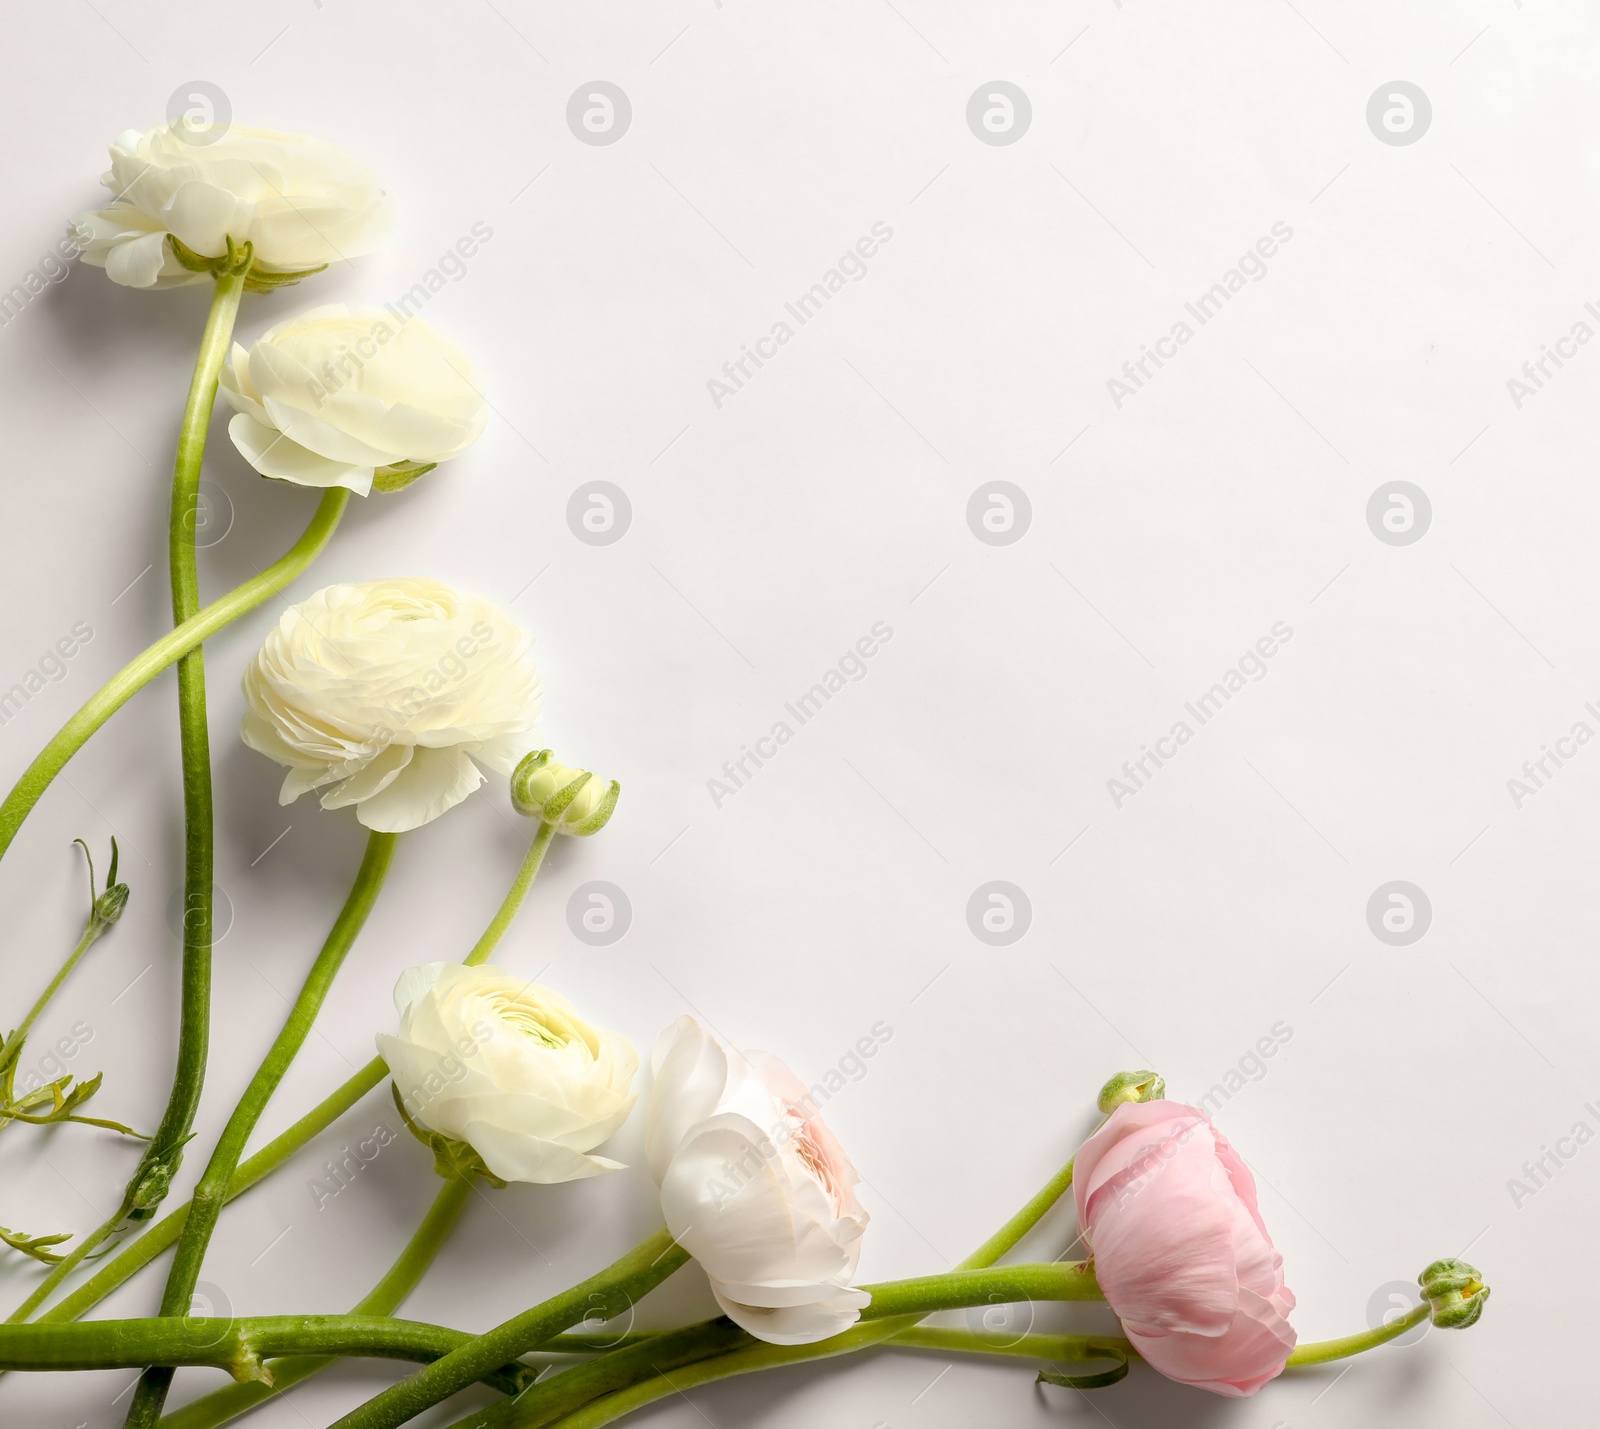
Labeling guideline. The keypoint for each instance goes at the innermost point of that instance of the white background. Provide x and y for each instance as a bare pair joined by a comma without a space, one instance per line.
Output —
830,893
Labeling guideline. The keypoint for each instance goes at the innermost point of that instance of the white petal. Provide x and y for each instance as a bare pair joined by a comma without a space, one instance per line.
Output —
795,1324
524,1158
273,454
690,1070
436,780
138,262
414,982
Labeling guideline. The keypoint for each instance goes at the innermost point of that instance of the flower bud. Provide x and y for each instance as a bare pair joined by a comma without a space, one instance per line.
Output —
1455,1292
1131,1087
109,905
572,800
154,1180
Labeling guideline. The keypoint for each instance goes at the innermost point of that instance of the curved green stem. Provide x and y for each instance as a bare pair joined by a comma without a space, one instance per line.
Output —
65,1266
212,1189
1322,1351
1024,1221
602,1296
384,1298
133,1258
484,948
700,1356
718,1348
225,1404
143,668
93,931
634,1367
160,1162
699,1361
150,1183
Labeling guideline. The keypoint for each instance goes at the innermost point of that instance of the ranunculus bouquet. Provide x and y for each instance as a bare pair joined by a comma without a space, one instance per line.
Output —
396,699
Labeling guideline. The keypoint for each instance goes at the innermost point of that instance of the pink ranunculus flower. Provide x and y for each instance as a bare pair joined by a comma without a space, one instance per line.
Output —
1169,1210
755,1187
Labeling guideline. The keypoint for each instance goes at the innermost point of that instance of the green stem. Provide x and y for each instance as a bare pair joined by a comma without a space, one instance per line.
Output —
65,1266
1322,1351
225,1404
1054,1348
700,1362
150,1184
384,1298
133,1258
238,1346
93,931
484,948
241,1345
636,1367
160,1162
1004,1285
720,1343
636,1379
603,1296
143,668
212,1190
1024,1221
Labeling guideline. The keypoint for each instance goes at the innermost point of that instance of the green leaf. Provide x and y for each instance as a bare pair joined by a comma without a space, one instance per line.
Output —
37,1246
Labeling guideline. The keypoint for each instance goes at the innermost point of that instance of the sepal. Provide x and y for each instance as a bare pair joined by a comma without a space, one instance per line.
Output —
572,801
451,1158
1455,1293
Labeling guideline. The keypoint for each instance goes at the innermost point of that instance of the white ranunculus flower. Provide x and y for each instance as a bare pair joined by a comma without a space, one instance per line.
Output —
388,696
334,395
755,1187
509,1068
301,202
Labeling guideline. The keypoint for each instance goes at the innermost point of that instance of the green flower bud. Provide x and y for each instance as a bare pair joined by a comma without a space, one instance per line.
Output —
155,1180
1455,1293
572,800
1131,1087
109,905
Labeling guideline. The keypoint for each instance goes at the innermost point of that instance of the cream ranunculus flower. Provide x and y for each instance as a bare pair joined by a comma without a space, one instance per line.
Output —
509,1068
336,395
388,696
755,1187
301,203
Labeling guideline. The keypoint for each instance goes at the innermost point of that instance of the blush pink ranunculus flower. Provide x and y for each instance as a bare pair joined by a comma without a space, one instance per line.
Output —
1169,1211
755,1187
